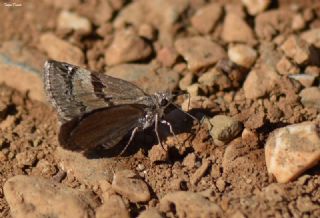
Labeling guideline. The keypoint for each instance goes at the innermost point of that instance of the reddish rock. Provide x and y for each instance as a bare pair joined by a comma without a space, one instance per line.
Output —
199,52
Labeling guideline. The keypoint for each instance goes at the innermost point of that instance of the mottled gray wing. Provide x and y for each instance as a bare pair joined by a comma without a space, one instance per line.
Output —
74,91
103,126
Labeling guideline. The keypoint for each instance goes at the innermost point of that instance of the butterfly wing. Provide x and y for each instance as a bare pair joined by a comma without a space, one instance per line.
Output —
104,126
75,91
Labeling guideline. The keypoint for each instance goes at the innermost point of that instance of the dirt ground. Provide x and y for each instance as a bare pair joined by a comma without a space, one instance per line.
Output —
170,48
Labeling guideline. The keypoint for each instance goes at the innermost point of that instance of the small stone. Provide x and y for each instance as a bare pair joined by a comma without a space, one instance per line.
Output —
215,78
151,212
157,153
126,47
193,90
103,12
186,81
205,18
235,29
291,150
112,207
255,7
310,97
199,52
312,37
37,197
296,49
305,79
85,170
242,55
147,31
298,22
127,184
61,50
197,102
167,56
221,184
46,168
189,204
259,82
285,67
71,20
312,70
200,172
26,158
189,161
224,128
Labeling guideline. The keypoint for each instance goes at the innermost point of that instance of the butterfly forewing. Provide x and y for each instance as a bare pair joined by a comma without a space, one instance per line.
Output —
101,127
75,91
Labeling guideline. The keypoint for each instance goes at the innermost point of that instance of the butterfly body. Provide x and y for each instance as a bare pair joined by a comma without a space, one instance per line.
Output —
95,109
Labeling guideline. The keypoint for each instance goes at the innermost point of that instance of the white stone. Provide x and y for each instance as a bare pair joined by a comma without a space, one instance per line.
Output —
242,55
291,150
71,20
256,6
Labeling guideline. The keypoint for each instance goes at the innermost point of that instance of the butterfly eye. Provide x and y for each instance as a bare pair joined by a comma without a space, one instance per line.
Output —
163,102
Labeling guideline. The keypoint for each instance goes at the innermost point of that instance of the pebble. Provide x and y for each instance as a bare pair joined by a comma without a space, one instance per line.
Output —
189,204
87,171
167,56
312,37
200,172
205,18
37,197
221,184
242,55
151,212
127,46
291,150
215,78
298,22
296,49
157,153
61,50
193,90
127,184
235,29
199,52
113,207
197,102
147,31
310,97
189,161
186,81
147,77
259,82
305,79
285,67
103,12
71,20
223,128
255,7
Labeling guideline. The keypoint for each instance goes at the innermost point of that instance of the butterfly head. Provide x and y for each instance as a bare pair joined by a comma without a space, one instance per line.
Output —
163,98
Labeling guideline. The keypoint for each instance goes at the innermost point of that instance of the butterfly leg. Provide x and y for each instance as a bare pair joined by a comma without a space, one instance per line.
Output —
170,128
156,130
134,131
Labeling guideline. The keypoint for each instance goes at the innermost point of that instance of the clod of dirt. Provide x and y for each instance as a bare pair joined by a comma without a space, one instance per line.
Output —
189,204
293,149
113,207
127,46
37,197
61,50
128,185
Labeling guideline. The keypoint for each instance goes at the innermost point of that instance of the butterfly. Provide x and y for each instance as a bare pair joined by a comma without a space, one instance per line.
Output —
95,109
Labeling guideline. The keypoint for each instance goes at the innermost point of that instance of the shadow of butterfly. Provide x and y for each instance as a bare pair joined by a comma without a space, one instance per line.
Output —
99,110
